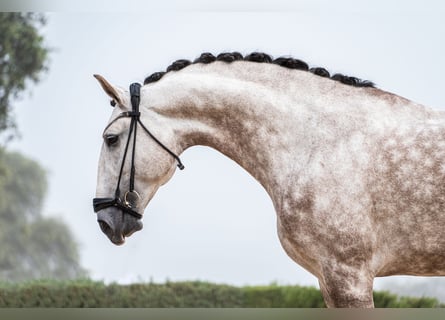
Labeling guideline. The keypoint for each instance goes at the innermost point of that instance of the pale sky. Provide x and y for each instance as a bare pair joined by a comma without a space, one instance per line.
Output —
212,221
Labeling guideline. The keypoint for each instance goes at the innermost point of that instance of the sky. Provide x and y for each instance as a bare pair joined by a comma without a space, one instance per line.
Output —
212,221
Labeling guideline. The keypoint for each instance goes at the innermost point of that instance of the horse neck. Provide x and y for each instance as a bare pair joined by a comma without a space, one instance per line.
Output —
259,115
220,107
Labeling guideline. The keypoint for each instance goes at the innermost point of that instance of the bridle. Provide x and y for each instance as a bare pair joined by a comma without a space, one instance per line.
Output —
131,197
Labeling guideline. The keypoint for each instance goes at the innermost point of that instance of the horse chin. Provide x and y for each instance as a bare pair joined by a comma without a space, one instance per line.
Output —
116,225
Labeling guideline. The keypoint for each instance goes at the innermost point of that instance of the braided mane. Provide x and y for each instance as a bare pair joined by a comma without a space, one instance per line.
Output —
260,57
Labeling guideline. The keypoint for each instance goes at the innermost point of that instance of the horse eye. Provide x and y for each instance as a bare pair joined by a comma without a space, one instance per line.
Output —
111,139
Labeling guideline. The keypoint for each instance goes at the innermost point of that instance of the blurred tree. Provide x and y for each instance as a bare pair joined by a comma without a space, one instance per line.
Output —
22,187
23,58
31,246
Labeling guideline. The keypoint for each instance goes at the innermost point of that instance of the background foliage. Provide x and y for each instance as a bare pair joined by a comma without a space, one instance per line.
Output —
23,58
32,246
86,293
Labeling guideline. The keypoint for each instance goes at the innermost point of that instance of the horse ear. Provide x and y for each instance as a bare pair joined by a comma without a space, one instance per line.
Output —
113,92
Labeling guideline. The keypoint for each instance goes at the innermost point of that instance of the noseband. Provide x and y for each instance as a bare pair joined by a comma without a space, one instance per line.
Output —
131,197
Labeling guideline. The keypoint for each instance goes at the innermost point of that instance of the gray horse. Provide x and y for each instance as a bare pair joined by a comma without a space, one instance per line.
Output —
356,174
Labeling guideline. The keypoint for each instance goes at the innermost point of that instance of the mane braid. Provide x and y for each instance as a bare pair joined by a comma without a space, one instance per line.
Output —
260,57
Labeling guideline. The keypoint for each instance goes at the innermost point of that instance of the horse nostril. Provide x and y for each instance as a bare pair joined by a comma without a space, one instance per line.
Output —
105,227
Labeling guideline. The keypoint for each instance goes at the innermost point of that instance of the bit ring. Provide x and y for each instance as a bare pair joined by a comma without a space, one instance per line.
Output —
132,199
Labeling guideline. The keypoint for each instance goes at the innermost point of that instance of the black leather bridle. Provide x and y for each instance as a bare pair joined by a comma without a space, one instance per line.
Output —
131,197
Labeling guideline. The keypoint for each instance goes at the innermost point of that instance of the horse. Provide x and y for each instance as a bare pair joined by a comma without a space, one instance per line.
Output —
356,174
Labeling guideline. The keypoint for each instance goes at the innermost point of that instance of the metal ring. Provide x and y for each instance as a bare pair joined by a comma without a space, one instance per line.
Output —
132,204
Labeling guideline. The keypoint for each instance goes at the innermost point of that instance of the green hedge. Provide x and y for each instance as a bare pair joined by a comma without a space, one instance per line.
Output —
86,293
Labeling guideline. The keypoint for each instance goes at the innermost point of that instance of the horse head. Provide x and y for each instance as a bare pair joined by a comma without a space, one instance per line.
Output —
127,177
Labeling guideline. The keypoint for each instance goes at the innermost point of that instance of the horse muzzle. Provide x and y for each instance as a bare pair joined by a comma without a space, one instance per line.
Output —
113,222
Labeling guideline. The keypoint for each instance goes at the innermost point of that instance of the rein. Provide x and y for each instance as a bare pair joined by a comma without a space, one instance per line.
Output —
131,197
